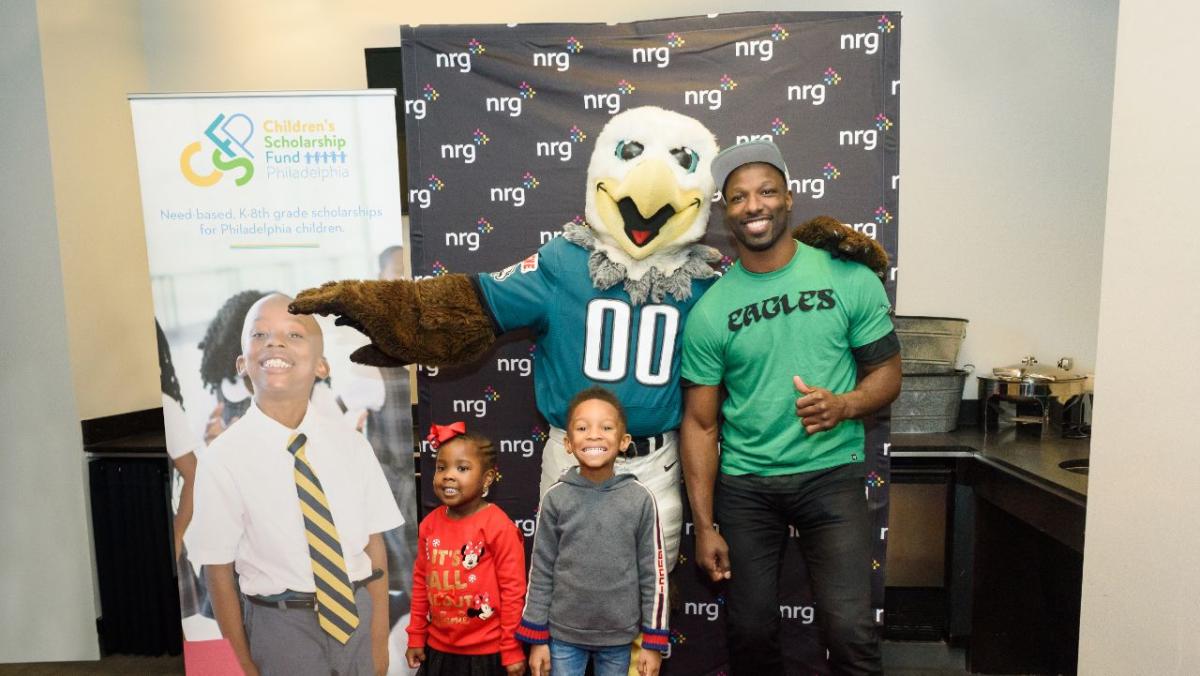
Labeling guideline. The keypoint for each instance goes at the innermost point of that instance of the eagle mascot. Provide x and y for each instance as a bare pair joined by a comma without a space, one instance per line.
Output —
606,302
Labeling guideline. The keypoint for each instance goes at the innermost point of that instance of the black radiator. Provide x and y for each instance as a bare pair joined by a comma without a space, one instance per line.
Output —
139,598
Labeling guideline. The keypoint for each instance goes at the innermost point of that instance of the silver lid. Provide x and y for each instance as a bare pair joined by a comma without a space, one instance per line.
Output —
1029,370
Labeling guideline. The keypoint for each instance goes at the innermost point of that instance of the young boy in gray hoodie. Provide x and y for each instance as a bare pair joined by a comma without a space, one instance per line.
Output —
597,577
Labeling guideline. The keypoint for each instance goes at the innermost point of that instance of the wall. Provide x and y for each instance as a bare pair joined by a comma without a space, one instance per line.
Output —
1005,128
48,609
1004,157
92,56
1141,587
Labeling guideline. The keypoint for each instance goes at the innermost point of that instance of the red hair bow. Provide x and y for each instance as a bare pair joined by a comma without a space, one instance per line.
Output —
440,434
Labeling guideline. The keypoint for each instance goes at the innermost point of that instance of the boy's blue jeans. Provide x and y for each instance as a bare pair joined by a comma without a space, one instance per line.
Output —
568,659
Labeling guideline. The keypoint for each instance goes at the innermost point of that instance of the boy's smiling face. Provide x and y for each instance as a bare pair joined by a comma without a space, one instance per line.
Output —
594,437
282,353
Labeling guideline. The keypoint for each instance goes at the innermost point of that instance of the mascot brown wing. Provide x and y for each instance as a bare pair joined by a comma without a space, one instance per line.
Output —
436,321
827,233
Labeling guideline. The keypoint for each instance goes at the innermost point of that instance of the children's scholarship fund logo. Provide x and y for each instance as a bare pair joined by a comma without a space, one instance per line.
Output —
611,101
659,56
304,149
230,136
564,149
423,197
460,61
418,107
709,97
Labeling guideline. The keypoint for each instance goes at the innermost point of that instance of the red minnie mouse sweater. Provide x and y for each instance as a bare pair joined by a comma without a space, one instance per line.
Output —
468,585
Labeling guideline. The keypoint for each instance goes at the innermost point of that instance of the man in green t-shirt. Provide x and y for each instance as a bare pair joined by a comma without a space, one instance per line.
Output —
801,346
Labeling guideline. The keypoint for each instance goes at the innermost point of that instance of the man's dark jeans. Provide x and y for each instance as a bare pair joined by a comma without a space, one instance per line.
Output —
828,508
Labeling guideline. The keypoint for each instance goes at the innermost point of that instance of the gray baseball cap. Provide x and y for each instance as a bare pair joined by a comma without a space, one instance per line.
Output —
760,150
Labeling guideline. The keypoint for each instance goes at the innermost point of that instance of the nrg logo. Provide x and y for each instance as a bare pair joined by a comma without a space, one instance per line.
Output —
417,107
459,60
559,61
659,56
709,97
526,526
423,197
471,238
230,136
476,407
564,149
514,195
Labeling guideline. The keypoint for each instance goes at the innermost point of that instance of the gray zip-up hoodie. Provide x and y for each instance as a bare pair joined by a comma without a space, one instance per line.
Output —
597,575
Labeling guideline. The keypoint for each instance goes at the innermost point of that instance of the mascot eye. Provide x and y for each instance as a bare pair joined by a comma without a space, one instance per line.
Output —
630,150
687,158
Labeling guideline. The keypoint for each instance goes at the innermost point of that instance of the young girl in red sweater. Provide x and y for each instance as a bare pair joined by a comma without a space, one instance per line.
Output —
469,576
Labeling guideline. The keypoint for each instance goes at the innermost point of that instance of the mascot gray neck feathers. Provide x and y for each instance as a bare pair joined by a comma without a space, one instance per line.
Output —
664,274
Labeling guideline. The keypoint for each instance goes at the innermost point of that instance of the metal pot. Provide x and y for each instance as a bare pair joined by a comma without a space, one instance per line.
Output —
1060,396
1032,380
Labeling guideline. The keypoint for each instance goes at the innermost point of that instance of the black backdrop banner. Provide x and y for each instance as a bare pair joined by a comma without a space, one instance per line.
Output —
500,123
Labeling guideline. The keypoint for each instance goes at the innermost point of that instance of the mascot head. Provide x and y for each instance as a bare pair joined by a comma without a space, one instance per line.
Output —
649,185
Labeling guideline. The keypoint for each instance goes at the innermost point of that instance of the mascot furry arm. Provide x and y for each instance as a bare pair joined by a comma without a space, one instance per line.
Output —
647,206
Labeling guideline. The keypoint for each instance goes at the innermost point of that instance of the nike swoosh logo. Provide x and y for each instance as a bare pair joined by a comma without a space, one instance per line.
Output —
668,467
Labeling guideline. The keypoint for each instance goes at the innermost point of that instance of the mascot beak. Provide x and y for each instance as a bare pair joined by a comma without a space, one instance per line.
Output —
647,210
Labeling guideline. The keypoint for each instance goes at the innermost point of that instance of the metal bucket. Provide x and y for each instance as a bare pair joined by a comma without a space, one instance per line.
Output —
929,344
928,402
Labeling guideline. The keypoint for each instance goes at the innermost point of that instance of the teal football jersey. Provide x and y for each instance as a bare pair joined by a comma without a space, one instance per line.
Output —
587,337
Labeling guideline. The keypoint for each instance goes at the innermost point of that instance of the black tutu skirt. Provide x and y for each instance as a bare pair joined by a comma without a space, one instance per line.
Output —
438,663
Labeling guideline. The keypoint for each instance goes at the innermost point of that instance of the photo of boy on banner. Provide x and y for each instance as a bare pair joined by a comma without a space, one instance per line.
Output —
245,500
232,392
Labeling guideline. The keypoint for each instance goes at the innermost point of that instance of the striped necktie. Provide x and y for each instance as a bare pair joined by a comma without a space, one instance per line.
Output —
336,611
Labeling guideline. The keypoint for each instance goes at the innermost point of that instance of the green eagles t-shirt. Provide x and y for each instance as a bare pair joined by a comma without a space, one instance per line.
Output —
752,332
